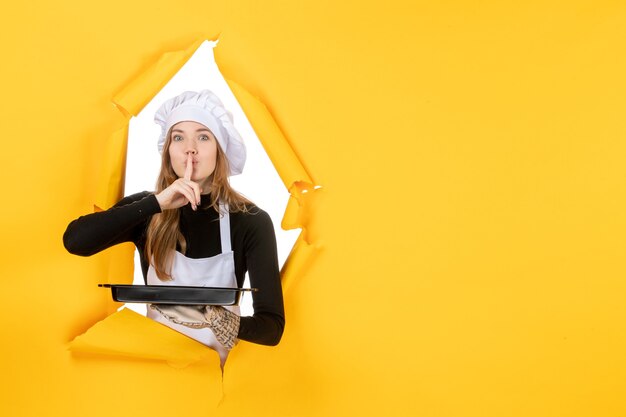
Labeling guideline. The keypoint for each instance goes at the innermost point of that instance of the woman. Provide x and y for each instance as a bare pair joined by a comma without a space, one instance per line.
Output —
195,229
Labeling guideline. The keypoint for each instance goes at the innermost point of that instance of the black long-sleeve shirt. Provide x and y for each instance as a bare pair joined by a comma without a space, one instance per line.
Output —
252,238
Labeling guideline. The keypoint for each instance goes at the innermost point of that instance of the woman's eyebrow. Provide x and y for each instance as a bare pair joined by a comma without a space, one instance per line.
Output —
199,130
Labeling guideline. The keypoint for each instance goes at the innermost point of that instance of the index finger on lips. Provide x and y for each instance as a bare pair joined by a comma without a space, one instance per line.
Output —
189,167
195,191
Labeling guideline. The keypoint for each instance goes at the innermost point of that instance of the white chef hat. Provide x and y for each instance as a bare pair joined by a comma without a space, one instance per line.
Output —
206,108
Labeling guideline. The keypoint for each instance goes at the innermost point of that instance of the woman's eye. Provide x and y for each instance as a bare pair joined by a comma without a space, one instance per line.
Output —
177,138
204,137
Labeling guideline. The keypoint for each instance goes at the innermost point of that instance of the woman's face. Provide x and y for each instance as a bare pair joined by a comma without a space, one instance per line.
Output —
195,139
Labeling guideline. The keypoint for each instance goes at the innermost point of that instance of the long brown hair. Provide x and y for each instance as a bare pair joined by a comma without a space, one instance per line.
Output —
163,231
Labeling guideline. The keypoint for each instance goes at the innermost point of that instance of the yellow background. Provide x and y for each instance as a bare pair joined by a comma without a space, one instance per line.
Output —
472,215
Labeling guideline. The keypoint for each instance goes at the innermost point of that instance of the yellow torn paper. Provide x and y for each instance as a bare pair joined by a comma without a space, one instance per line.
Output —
274,142
138,93
291,171
472,215
110,187
130,101
127,333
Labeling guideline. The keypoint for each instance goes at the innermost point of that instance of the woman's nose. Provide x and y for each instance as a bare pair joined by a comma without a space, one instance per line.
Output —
192,151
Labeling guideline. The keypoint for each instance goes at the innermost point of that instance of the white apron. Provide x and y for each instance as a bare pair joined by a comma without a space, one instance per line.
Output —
216,271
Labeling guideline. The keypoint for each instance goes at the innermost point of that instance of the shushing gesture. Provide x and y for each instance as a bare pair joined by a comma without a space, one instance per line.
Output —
182,191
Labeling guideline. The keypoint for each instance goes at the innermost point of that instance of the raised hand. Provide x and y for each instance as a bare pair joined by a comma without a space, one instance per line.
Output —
182,191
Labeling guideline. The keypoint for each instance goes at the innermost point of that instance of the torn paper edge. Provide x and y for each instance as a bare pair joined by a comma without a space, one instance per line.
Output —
136,94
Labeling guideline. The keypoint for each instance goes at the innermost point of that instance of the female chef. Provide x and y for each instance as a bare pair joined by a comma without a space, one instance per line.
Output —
195,229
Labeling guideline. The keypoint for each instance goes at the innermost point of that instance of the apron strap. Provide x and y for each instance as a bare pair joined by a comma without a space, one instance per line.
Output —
225,228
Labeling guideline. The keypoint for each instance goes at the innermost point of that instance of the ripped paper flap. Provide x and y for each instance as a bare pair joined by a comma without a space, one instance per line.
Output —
283,157
142,89
127,333
110,186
